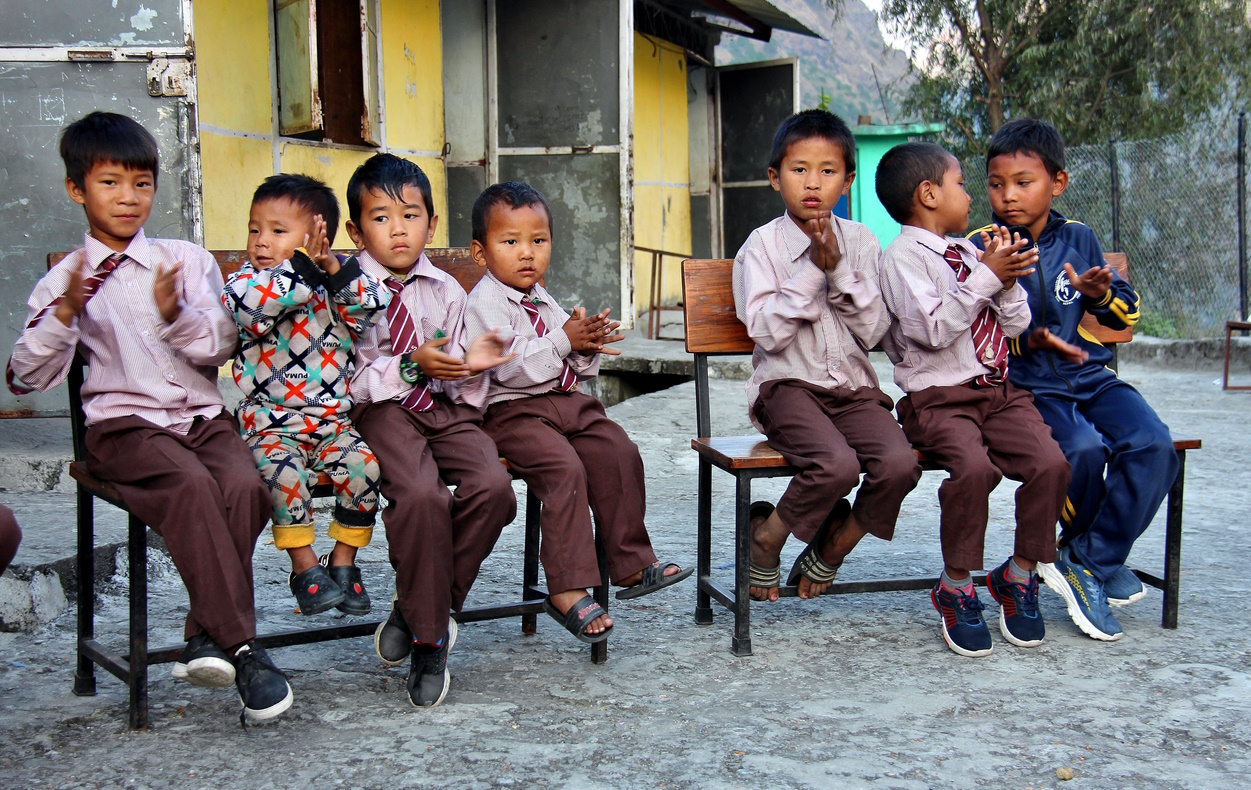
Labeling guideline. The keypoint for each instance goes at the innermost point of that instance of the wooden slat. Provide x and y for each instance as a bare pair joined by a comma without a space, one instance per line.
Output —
1182,441
739,452
708,307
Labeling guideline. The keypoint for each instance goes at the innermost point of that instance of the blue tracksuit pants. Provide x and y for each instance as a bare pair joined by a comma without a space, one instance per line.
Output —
1123,466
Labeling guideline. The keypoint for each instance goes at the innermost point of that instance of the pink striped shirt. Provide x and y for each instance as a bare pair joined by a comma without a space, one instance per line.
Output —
809,324
139,364
436,302
931,339
537,367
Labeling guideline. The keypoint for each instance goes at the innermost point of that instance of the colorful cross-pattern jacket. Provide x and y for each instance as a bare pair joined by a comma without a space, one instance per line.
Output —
1055,304
296,329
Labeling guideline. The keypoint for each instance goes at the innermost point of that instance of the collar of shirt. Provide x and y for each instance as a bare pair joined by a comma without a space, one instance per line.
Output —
97,252
423,268
536,294
939,244
795,242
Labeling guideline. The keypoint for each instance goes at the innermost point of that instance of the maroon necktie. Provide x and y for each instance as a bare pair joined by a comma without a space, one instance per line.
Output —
90,286
567,380
988,338
403,340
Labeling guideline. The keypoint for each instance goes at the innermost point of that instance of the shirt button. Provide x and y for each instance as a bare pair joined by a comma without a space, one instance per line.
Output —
169,377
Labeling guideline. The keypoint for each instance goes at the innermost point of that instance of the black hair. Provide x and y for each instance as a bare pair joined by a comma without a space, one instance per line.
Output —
813,123
109,138
388,174
304,191
514,194
902,170
1029,136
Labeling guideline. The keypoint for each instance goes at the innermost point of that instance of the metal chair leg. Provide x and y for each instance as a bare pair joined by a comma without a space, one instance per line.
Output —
138,568
599,650
741,643
703,571
530,560
1172,545
85,672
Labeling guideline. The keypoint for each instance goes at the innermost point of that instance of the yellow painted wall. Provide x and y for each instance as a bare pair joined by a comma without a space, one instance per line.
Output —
662,193
238,145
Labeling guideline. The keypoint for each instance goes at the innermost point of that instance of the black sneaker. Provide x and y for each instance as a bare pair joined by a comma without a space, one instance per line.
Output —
428,678
348,578
315,591
392,640
203,663
263,687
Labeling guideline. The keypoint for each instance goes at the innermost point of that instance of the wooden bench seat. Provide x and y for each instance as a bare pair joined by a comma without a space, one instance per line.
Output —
713,329
131,667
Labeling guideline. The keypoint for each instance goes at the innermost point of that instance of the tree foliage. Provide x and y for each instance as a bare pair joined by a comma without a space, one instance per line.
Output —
1094,68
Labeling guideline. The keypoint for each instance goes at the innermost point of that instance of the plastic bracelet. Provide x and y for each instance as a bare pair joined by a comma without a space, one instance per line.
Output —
411,372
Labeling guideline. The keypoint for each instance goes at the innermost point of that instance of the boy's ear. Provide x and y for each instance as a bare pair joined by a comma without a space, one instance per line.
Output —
478,253
434,223
1059,183
851,177
354,233
75,192
926,195
775,180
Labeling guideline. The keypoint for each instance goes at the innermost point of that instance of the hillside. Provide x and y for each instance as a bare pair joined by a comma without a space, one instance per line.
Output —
842,66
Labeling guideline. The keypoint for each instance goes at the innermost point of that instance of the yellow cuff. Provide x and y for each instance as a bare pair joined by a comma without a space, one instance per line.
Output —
358,537
293,536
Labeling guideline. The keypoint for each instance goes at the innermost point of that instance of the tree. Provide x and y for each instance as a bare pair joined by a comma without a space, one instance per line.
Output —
1095,68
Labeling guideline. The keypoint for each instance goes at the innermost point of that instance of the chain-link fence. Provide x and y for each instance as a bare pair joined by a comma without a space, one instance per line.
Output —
1173,209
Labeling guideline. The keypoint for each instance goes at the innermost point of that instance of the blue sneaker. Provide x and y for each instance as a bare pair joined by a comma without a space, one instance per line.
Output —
1084,595
964,629
1019,619
1124,588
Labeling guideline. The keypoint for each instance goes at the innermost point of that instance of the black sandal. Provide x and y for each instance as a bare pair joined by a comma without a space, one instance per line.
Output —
579,616
653,579
809,563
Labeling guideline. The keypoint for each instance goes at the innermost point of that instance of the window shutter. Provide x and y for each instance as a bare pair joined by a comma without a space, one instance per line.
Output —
371,115
299,96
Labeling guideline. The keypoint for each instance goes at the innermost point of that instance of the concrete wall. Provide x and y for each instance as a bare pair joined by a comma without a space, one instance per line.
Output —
240,144
662,167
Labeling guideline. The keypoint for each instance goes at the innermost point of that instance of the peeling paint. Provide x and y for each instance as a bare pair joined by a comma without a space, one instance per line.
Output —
593,127
142,19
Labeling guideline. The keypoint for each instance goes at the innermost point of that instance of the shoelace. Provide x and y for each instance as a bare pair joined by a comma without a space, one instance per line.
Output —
1029,597
970,606
250,663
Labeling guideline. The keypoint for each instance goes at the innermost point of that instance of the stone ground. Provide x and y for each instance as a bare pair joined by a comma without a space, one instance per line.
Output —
854,691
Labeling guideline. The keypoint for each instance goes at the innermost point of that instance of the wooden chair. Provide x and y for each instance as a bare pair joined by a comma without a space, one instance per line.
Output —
131,667
713,329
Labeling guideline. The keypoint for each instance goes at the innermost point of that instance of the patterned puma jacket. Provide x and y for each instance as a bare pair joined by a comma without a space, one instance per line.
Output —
296,329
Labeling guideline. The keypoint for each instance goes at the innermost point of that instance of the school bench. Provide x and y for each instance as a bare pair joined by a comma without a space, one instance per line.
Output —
713,329
131,667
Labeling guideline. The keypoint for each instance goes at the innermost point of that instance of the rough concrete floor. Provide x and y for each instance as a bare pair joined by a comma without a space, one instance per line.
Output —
854,691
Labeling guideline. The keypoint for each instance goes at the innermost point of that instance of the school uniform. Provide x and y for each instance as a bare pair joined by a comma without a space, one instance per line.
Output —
813,392
428,436
949,343
1121,451
296,330
156,426
559,440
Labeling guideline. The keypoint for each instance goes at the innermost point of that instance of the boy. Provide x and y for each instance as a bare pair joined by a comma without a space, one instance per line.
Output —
147,316
804,287
10,537
558,439
1121,453
417,387
298,312
955,311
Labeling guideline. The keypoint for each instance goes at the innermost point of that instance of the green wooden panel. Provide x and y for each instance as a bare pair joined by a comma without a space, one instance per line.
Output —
299,102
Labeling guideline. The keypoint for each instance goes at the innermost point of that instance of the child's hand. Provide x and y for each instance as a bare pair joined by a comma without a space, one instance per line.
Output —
75,298
318,246
582,338
824,250
1007,255
166,292
1041,339
435,363
1092,283
604,331
486,351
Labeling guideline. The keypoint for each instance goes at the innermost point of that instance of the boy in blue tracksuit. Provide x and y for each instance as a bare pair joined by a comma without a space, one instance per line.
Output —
1121,453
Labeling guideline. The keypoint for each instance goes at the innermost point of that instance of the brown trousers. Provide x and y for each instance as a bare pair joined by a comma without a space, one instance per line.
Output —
437,540
202,494
10,537
831,435
981,436
574,457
